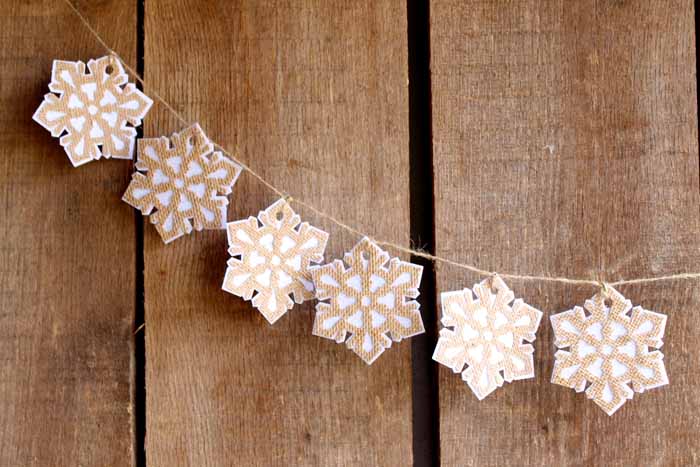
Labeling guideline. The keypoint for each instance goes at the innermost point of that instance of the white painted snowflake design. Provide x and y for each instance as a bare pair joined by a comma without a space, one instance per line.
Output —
275,253
486,335
91,111
608,349
182,178
367,300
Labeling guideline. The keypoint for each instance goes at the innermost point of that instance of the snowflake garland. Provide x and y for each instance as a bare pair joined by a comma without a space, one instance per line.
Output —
488,330
182,179
275,253
609,349
90,111
367,299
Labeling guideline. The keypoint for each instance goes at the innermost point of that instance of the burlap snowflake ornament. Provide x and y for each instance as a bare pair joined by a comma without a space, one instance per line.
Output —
484,330
181,181
608,349
275,252
371,299
92,111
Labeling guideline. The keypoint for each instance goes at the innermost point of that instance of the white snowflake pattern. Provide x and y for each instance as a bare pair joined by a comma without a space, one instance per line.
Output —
367,299
91,111
275,252
608,349
182,178
488,330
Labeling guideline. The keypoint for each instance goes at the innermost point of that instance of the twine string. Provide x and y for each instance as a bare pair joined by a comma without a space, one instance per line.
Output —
603,285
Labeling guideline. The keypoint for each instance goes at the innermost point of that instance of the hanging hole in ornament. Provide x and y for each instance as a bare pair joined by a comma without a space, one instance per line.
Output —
109,69
607,302
279,216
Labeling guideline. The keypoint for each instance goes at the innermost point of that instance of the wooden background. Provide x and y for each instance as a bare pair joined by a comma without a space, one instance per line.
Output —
564,142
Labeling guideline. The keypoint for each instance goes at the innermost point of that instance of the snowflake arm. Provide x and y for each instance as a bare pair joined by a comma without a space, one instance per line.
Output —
405,313
450,350
91,111
567,326
372,300
526,320
328,323
181,179
649,327
311,251
275,252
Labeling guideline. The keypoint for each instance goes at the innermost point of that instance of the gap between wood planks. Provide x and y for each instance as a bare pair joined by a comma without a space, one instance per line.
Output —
139,377
696,3
426,420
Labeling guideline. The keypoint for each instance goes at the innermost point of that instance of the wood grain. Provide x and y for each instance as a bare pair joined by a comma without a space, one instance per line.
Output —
67,258
565,143
314,95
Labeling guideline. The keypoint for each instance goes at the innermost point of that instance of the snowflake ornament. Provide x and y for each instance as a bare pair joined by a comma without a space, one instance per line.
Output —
367,299
487,333
608,349
182,178
275,253
92,110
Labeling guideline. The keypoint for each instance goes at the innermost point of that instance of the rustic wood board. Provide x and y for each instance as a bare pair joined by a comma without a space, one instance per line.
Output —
565,143
314,95
67,260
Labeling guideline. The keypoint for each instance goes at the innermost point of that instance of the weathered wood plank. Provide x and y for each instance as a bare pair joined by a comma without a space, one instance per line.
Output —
565,142
314,95
67,257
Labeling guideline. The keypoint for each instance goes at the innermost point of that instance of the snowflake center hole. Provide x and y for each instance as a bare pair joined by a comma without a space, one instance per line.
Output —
275,260
179,183
488,335
92,109
365,301
607,349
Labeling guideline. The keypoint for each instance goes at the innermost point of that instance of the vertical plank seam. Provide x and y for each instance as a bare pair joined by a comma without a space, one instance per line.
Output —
139,396
697,82
425,403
